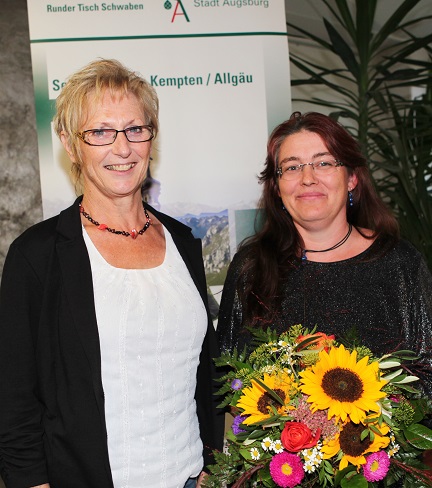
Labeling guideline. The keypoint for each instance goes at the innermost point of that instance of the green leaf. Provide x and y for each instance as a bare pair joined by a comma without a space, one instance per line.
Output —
344,17
342,49
365,14
406,379
389,363
309,341
392,375
407,388
422,408
257,434
249,442
419,436
328,468
393,22
342,473
356,481
274,395
364,434
245,453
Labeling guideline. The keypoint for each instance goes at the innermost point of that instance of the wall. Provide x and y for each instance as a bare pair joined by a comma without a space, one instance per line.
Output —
20,198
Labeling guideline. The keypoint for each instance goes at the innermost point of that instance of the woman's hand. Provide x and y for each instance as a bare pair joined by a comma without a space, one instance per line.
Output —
200,478
46,485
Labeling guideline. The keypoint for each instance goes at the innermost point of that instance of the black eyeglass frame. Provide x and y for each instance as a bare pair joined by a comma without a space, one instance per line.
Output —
82,134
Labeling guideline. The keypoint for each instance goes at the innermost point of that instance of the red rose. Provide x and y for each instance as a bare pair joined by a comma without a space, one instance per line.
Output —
297,436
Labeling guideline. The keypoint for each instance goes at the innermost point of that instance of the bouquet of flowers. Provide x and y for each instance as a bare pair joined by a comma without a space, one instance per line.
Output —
312,412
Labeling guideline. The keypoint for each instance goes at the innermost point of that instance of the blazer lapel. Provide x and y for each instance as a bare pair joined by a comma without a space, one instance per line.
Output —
78,285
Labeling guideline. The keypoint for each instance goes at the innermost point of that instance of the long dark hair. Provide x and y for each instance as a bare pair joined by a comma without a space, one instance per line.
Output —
275,249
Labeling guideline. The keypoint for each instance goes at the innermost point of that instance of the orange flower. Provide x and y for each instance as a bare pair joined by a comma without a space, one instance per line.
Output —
322,341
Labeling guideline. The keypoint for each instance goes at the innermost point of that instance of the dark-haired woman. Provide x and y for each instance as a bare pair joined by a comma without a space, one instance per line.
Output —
328,253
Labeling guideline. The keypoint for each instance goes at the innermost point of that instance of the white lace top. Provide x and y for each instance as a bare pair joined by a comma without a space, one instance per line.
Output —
152,323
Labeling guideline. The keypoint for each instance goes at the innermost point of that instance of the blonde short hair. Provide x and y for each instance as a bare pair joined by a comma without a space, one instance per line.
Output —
94,79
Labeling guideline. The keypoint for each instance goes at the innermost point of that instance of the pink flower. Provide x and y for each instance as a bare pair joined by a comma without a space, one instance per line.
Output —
286,470
377,466
395,398
316,420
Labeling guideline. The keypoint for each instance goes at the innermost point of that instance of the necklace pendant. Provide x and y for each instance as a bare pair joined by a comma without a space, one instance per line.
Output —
134,233
102,226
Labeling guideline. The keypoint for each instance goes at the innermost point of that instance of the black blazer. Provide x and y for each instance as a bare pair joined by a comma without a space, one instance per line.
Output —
52,419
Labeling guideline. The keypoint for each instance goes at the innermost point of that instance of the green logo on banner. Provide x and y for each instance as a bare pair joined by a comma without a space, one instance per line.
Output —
167,4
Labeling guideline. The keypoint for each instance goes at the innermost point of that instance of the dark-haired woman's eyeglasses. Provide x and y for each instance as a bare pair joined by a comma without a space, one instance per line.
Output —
289,171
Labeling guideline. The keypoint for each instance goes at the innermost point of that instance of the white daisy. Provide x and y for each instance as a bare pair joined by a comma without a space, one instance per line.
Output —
309,468
312,457
277,446
255,454
393,450
266,444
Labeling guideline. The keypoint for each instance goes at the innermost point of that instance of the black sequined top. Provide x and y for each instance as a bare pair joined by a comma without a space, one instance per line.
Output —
388,300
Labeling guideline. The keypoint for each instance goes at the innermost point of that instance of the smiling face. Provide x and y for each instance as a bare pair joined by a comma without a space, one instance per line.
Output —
313,202
118,169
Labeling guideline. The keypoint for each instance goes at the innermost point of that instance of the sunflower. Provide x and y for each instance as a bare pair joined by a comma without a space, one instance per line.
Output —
346,387
352,446
256,402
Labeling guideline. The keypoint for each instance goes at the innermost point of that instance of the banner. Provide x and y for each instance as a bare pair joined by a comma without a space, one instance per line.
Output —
221,71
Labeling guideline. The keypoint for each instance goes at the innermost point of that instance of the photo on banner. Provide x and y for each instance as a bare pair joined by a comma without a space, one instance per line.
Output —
221,72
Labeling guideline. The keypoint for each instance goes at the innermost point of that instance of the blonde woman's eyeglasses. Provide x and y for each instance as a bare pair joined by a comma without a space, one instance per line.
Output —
104,137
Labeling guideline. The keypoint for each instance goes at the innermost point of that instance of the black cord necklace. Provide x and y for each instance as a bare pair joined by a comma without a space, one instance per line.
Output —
342,241
133,233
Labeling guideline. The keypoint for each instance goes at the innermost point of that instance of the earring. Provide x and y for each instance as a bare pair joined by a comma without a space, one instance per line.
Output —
350,198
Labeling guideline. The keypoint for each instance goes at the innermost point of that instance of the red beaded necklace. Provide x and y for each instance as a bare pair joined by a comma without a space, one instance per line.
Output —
133,233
